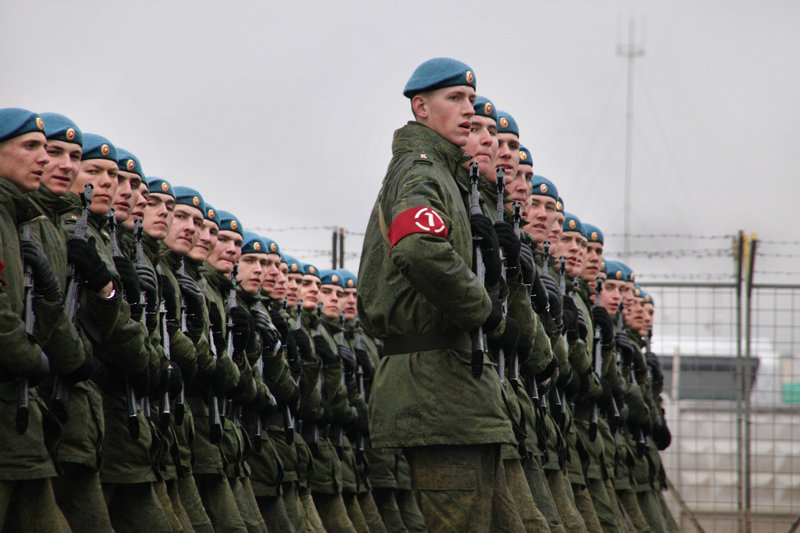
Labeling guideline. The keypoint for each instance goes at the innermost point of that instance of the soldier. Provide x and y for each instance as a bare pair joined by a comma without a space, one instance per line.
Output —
426,377
78,491
25,465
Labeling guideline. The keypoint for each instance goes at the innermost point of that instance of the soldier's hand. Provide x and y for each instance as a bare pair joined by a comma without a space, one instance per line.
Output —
603,320
554,299
655,368
348,358
169,297
280,323
583,327
88,264
268,334
195,301
527,265
509,339
495,316
45,282
243,329
292,355
303,344
539,295
39,372
484,235
661,434
324,351
570,314
510,244
365,362
625,348
83,372
130,281
175,380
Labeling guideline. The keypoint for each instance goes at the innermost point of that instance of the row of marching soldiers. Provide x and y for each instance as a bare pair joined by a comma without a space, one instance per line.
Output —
161,369
517,373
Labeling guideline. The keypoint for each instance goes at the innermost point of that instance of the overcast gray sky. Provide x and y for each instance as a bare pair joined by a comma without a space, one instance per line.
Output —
283,112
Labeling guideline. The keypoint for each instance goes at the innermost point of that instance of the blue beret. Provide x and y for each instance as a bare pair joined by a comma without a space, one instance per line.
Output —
60,128
525,157
506,123
128,162
228,222
541,186
618,271
485,108
438,73
637,291
331,277
295,266
350,279
98,147
592,233
272,246
15,122
190,197
309,269
571,223
648,298
253,244
211,214
560,205
159,185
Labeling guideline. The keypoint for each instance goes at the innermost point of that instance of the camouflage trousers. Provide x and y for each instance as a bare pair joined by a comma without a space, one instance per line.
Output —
565,502
333,512
463,488
219,503
29,505
80,498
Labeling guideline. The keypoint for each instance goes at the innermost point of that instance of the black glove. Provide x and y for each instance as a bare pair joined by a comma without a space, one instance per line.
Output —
510,244
605,397
495,316
83,372
547,373
38,374
219,381
170,298
280,323
365,362
655,368
661,434
348,359
268,334
242,330
350,380
45,282
141,383
292,355
148,285
539,295
625,348
527,265
570,314
554,300
639,365
583,327
175,380
509,339
486,238
603,320
130,281
324,351
195,301
88,265
303,344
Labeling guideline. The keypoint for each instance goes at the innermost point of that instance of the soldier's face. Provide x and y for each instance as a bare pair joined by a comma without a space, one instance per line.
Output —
157,215
540,217
627,295
649,315
64,162
520,187
227,251
206,242
127,189
309,291
138,207
592,261
611,297
555,235
22,160
271,272
447,111
187,223
348,302
251,271
482,144
279,290
329,295
635,316
570,247
293,282
507,156
101,173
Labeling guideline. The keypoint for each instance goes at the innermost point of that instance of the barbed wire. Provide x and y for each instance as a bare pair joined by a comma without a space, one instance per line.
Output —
676,254
293,228
788,256
776,273
781,243
644,278
671,236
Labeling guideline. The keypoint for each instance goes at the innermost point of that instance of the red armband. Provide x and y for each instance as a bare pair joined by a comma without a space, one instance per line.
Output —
2,281
416,220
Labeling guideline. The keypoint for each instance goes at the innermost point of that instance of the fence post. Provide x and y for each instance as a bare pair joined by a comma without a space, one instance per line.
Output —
738,260
746,375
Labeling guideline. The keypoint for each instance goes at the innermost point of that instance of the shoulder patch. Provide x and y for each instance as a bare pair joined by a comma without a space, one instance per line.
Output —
416,220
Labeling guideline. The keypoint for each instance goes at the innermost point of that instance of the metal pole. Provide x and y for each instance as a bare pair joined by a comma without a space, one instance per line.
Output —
629,51
739,393
341,247
333,250
747,383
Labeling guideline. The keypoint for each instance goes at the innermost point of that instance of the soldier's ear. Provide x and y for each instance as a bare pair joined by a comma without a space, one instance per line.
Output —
419,106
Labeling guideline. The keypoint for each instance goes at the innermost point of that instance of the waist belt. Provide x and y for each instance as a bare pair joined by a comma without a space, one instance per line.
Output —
429,340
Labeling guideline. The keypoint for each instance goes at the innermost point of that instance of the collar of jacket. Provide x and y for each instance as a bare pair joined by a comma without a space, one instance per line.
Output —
13,200
152,248
310,319
170,258
248,298
417,137
192,267
219,281
49,202
331,324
